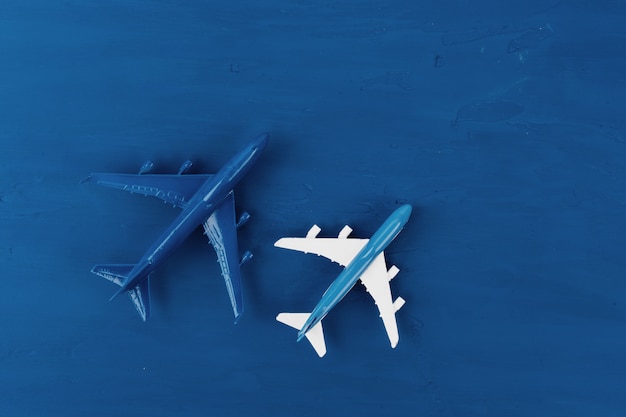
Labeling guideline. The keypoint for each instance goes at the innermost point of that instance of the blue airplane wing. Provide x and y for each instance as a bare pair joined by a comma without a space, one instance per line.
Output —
221,230
173,189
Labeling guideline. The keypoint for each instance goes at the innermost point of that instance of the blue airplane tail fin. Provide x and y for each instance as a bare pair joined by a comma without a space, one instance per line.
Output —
117,274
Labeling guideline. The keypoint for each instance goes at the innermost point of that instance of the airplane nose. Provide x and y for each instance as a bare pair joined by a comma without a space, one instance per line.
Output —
405,211
262,140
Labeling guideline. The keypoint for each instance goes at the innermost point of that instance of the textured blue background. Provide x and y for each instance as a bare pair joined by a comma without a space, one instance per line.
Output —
503,125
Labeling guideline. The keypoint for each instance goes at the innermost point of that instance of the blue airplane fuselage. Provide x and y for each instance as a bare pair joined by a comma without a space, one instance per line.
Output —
353,271
199,208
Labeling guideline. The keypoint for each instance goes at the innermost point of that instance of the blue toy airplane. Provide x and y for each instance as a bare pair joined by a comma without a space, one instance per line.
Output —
205,199
363,259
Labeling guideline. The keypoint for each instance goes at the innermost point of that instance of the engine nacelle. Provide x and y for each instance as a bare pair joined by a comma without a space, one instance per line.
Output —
345,232
185,167
397,305
243,219
246,257
146,167
313,232
392,272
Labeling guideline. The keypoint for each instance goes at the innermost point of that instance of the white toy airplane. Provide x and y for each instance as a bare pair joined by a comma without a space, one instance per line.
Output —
363,259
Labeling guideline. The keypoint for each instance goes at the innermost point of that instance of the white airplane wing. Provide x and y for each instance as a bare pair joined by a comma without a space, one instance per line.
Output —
376,280
338,249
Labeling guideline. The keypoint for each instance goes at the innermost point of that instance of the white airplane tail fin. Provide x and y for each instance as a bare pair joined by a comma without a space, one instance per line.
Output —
315,335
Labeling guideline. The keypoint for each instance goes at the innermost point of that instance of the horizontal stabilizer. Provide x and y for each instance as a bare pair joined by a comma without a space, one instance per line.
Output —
315,335
140,296
116,273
